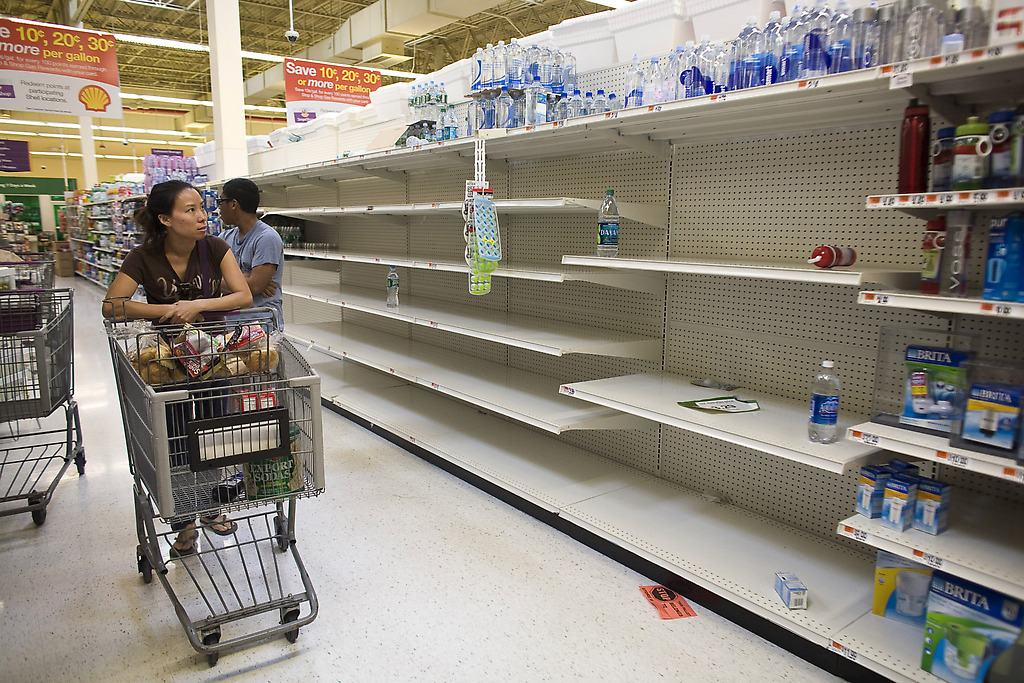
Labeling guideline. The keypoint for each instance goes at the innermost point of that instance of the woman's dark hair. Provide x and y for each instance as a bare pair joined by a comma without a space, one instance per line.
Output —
160,202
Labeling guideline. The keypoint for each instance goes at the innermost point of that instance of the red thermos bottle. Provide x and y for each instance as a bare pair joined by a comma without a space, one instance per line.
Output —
915,149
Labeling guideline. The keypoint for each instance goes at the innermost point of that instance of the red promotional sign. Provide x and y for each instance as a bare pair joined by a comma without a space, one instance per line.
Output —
316,87
58,70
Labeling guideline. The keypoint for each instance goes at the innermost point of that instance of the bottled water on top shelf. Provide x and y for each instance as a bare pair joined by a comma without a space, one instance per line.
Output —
816,57
792,64
588,104
569,77
514,65
536,103
840,39
504,110
476,82
654,83
574,107
600,102
634,84
487,69
822,425
614,103
743,53
499,66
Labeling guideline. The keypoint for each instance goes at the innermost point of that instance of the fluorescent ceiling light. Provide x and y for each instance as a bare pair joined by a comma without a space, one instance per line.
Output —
116,129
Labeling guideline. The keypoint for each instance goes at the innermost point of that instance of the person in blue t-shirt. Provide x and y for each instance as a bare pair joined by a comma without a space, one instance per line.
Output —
257,246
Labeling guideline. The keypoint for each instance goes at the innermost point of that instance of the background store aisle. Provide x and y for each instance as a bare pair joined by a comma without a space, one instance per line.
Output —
420,576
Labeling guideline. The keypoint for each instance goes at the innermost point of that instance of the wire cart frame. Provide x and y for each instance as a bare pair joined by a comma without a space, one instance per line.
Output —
36,381
207,435
36,271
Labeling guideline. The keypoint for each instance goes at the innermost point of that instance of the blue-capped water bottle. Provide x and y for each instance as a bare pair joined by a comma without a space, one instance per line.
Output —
823,426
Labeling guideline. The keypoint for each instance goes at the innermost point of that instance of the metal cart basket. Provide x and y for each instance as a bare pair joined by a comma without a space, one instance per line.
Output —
35,272
36,378
218,419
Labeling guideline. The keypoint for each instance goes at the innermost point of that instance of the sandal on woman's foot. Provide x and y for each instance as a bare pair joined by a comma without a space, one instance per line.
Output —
220,525
185,544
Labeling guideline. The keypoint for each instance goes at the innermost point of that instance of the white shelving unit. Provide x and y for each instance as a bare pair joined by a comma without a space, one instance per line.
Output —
944,304
523,396
537,334
778,428
796,272
692,493
936,448
976,545
926,204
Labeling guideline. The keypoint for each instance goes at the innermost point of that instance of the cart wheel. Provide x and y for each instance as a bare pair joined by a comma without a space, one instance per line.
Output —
212,638
80,461
146,569
281,532
290,616
39,516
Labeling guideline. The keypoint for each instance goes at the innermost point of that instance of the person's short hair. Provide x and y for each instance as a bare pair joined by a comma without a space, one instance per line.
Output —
244,191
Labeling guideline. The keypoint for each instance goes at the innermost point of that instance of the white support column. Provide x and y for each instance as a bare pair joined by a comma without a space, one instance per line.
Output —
90,172
228,89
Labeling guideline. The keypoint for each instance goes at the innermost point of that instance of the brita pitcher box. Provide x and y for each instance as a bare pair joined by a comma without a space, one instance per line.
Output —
901,589
967,627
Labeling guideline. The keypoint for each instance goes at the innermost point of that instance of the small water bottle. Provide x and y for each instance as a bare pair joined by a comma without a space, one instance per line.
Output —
392,287
608,222
823,426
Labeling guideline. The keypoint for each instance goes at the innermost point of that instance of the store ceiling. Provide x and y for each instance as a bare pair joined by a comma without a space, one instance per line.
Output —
180,73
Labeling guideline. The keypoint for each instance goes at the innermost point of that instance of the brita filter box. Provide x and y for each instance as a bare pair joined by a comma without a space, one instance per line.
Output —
966,628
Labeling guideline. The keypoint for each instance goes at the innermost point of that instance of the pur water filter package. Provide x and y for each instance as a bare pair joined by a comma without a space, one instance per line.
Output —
901,589
966,628
1005,259
934,376
931,513
899,502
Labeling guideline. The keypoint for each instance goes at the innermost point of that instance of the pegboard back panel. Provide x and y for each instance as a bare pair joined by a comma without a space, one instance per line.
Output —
460,344
439,237
358,320
323,193
365,191
638,448
370,235
449,184
311,272
635,177
589,304
796,495
302,311
546,238
453,288
780,197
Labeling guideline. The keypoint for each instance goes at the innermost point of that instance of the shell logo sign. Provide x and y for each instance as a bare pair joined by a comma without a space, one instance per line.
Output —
94,98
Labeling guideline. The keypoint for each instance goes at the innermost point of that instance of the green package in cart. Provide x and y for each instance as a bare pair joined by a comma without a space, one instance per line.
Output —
275,476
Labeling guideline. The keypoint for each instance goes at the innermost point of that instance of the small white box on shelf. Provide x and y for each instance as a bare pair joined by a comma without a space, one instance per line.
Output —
367,114
931,514
899,502
589,38
257,143
650,27
791,589
205,153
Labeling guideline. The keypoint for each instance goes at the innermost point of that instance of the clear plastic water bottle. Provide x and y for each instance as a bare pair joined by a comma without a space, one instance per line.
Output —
614,103
556,83
499,75
866,37
600,102
634,84
536,103
654,82
588,104
392,288
816,56
840,39
707,57
533,64
451,123
743,53
608,223
773,42
504,110
822,426
514,65
487,68
574,108
670,90
569,78
476,84
792,64
487,112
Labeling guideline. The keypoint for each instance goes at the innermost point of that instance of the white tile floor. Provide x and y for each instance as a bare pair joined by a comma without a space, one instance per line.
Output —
420,576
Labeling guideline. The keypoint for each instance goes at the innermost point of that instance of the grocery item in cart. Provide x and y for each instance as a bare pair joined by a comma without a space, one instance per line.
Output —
276,476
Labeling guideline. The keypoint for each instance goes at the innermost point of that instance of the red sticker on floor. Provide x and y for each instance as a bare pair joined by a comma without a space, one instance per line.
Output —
669,604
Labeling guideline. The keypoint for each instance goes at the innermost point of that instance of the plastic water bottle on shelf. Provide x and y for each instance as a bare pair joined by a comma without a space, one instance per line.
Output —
608,223
536,103
816,55
707,57
504,110
600,102
477,65
392,288
588,104
634,84
840,39
499,65
773,43
569,79
533,64
514,58
614,103
823,426
743,47
654,82
487,70
574,107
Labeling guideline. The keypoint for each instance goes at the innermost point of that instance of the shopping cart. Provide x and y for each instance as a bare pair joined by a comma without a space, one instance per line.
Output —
217,421
36,379
36,271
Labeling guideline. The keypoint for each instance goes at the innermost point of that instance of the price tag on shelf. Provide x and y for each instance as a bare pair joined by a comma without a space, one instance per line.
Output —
999,309
813,83
869,439
1014,474
433,324
719,97
981,196
877,299
568,391
611,114
901,80
933,561
856,534
954,459
994,51
843,650
891,200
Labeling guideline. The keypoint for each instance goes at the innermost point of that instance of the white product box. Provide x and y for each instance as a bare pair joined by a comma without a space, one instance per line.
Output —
205,153
791,589
931,514
457,78
392,101
899,502
871,490
257,143
590,40
650,27
1007,24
